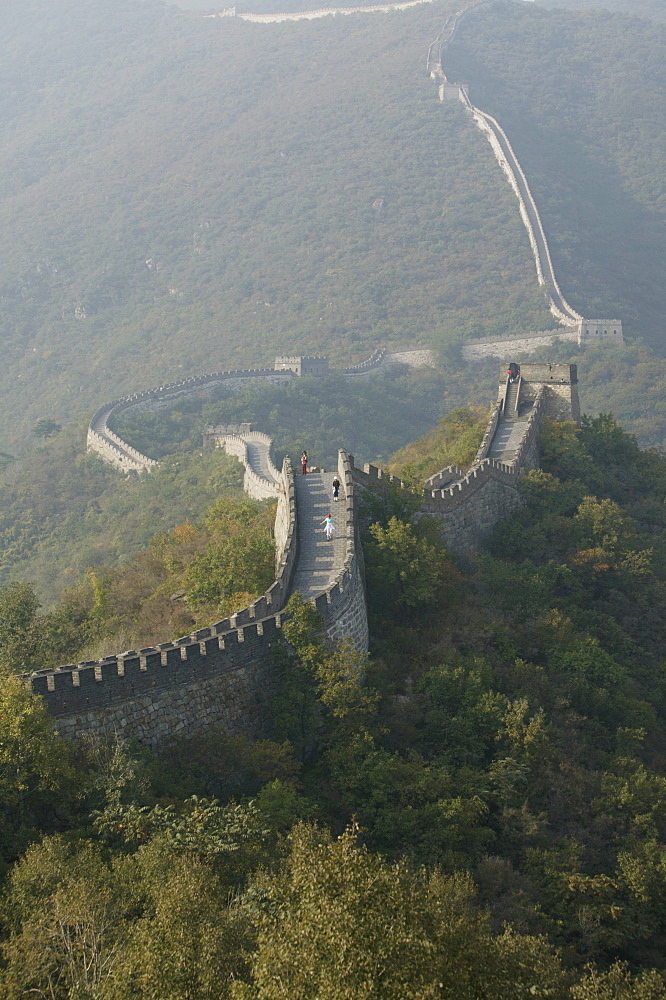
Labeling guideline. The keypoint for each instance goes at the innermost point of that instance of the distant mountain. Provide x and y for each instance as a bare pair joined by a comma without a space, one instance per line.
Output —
182,194
655,10
582,97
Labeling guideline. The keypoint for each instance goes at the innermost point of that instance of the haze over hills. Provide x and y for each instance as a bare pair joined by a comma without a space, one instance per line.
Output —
654,9
581,96
182,194
287,191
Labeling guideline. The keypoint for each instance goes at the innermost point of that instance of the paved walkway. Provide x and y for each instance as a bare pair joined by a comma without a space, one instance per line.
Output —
259,459
507,438
319,561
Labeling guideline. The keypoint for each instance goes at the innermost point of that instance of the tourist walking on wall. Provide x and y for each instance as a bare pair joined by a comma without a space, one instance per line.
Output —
336,488
328,521
304,462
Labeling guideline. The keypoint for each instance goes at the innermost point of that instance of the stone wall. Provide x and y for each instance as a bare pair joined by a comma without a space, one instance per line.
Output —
110,447
521,343
169,690
468,509
561,401
102,440
342,606
217,675
220,675
311,15
255,486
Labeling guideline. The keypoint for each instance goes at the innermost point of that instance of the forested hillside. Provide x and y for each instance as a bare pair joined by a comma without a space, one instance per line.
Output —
581,97
477,811
653,9
63,511
183,194
167,210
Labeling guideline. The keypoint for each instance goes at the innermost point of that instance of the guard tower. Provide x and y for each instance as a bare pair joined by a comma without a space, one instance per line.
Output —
301,365
561,383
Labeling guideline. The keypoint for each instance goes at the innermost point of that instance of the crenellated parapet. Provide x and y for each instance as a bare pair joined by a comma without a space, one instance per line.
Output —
215,676
342,605
220,675
111,448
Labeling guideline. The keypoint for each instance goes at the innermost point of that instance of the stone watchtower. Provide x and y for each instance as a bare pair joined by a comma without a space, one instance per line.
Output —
560,383
302,365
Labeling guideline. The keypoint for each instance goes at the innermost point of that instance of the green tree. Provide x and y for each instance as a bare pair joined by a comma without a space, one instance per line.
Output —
339,923
35,769
191,940
238,560
617,983
404,571
68,911
18,610
45,428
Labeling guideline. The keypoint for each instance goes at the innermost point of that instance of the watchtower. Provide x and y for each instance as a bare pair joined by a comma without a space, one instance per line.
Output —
302,365
560,382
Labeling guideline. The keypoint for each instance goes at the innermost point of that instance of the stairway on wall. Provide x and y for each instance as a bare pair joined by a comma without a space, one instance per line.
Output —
511,429
510,401
319,561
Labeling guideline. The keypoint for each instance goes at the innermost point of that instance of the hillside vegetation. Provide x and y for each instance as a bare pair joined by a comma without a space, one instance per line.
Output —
182,194
63,511
652,9
478,810
581,97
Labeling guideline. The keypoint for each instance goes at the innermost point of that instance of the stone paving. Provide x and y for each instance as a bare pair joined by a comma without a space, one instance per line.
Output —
507,438
319,561
257,456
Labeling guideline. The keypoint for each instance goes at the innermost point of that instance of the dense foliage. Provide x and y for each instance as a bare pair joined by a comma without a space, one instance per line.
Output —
478,811
188,577
455,441
62,511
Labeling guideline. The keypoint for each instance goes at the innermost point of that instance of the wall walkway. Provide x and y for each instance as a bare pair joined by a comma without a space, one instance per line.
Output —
508,161
223,675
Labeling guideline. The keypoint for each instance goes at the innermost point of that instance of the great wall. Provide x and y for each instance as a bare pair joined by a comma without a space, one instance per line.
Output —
223,675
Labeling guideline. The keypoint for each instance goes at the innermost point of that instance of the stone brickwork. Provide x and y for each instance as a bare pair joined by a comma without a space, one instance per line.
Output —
220,675
561,384
469,505
217,675
342,606
111,448
520,344
174,689
300,365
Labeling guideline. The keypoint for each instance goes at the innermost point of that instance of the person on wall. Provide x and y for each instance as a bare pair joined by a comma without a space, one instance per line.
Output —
513,372
329,526
304,462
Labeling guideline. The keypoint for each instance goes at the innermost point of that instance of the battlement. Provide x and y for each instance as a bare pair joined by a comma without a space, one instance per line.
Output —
216,675
561,401
300,365
605,330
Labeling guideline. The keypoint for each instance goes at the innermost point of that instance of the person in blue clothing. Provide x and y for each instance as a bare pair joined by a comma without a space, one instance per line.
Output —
329,526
